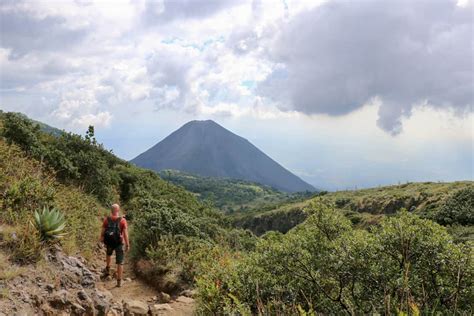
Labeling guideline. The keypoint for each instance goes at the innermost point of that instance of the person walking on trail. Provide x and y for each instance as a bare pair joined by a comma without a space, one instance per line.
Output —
115,236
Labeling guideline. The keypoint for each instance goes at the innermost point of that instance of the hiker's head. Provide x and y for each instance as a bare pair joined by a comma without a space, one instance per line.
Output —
115,208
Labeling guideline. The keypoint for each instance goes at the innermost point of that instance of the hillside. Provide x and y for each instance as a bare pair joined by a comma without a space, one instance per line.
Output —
185,257
230,195
206,148
362,207
78,177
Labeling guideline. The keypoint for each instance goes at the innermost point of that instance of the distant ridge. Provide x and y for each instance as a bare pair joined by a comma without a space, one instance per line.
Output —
208,149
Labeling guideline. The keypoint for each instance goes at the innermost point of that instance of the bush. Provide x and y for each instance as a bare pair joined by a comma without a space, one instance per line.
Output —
406,264
458,208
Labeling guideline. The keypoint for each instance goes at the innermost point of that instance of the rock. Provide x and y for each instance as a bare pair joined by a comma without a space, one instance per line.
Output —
59,299
163,297
104,294
89,307
75,270
101,299
77,309
115,310
189,293
158,309
185,300
82,295
39,300
46,310
26,311
128,280
135,308
102,308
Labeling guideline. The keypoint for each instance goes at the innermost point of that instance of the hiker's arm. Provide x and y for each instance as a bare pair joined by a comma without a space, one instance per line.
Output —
102,234
125,238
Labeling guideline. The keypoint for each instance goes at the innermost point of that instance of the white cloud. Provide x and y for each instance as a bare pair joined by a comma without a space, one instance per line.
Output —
334,69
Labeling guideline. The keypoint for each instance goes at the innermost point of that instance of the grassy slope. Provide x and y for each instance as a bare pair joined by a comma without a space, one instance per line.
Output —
25,185
227,194
363,207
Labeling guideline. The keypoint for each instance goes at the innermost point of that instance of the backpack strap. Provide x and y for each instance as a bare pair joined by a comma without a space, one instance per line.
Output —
119,220
110,221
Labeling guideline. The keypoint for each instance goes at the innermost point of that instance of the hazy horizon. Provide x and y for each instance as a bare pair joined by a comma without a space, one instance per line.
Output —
342,94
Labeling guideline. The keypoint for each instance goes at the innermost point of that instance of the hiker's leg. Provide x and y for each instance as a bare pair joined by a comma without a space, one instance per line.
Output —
119,258
119,271
108,260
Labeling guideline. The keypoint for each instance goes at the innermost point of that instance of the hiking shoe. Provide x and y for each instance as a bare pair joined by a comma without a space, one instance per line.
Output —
119,283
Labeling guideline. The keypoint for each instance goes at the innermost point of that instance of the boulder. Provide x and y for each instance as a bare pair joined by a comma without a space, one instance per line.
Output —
189,293
163,297
102,307
75,270
158,309
185,300
135,308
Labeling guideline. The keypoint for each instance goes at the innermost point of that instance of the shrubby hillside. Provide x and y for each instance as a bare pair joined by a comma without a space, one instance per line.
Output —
231,195
79,177
375,251
406,265
446,203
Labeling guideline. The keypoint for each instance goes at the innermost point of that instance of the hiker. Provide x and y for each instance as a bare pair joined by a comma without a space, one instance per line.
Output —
115,235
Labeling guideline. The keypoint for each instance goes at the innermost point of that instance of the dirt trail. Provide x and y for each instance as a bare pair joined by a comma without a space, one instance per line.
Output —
134,289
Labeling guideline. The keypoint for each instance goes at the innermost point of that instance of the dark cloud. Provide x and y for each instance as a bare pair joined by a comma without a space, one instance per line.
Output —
338,56
23,33
169,10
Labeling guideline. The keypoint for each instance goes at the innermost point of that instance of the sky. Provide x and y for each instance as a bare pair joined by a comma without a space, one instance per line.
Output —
345,94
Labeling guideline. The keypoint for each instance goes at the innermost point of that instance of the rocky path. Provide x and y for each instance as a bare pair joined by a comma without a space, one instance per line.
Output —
137,297
68,285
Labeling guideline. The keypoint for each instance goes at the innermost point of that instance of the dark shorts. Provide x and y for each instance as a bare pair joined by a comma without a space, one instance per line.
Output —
119,254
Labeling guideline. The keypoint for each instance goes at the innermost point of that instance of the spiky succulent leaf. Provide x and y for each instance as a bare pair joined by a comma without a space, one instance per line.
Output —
50,223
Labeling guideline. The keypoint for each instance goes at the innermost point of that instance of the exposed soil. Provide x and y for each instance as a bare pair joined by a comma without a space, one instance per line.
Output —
68,285
135,289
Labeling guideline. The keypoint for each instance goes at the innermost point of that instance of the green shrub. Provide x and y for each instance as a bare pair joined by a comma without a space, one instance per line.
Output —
458,208
403,265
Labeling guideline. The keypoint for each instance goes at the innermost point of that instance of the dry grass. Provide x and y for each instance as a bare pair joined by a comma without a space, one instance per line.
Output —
8,270
26,185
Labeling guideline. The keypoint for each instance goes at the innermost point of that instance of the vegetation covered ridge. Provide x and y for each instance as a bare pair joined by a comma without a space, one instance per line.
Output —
450,203
327,263
231,195
80,178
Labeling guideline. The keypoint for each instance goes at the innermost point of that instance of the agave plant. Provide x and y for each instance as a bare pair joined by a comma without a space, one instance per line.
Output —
50,223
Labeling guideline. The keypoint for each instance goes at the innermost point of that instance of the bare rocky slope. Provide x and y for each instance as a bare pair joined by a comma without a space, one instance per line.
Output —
70,285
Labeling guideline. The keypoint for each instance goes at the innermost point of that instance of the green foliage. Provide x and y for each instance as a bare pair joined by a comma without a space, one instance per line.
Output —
76,160
50,224
368,206
230,195
458,208
325,265
402,265
25,186
61,169
22,132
